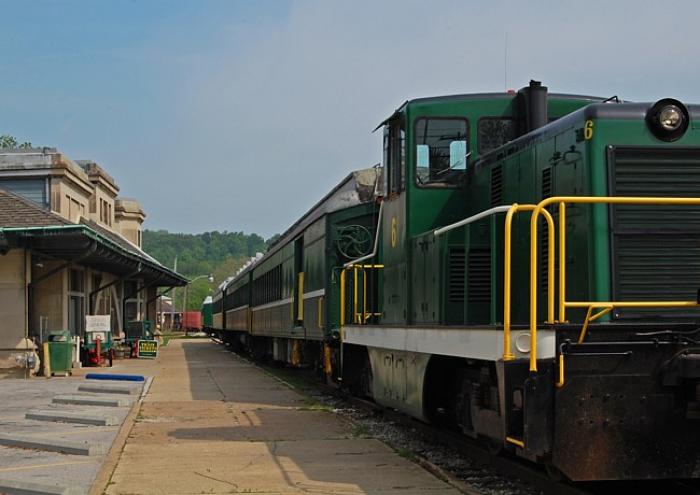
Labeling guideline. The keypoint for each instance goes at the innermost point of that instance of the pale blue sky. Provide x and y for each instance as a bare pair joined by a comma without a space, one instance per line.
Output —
251,111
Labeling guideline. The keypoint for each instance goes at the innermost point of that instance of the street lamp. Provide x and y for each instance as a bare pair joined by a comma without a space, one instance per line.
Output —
210,277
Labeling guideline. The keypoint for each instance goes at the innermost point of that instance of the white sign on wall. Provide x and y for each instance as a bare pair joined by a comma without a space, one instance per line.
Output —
98,323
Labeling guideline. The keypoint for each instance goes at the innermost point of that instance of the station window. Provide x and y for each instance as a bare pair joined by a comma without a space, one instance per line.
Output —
442,150
493,132
105,212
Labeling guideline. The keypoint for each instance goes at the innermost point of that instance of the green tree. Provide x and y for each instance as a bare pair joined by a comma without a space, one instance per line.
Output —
217,253
9,142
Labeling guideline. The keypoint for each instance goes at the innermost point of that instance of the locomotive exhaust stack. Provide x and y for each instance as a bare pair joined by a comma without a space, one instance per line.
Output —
532,106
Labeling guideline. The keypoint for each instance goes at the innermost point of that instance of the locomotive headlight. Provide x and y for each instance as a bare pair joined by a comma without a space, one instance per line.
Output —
668,119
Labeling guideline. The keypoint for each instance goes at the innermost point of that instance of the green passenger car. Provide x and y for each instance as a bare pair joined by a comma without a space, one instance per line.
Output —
207,314
284,305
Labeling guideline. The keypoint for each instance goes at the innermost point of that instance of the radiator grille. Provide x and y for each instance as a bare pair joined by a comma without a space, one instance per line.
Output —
656,249
456,275
479,278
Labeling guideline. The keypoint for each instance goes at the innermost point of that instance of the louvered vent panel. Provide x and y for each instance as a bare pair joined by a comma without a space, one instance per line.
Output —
656,249
479,276
497,185
455,290
543,232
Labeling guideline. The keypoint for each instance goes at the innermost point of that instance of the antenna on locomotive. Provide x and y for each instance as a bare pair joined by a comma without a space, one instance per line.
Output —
505,64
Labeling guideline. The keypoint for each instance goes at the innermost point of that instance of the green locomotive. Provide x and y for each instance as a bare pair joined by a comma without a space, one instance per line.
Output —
533,281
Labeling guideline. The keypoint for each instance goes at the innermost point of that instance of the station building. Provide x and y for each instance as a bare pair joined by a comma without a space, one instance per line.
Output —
69,247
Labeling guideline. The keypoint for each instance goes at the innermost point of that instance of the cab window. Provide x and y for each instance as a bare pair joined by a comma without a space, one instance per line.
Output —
494,132
395,157
442,150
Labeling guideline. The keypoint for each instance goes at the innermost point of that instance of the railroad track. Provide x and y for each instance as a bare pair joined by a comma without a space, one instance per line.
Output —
503,464
517,476
530,473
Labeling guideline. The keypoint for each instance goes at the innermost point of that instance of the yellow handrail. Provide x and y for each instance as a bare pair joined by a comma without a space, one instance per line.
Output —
591,317
359,318
516,208
563,303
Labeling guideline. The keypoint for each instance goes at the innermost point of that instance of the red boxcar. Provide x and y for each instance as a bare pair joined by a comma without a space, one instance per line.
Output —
192,320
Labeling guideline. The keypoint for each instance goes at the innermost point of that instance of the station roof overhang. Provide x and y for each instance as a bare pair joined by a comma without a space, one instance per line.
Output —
84,245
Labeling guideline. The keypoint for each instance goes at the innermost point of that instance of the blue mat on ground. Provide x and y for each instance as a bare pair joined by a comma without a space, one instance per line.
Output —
110,376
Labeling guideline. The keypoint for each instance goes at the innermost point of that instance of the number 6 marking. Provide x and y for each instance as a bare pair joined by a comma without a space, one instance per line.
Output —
588,130
393,232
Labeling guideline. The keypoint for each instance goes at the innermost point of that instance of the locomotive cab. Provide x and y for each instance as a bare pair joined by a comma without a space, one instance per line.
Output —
431,149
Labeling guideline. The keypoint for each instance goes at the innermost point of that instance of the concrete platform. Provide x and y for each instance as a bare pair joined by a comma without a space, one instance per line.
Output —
72,417
52,445
108,388
19,487
87,400
43,461
213,423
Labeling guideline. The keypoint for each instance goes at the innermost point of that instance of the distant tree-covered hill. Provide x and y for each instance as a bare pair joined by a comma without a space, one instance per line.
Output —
216,253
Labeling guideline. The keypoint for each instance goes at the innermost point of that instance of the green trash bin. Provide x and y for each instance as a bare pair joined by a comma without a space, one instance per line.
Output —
60,351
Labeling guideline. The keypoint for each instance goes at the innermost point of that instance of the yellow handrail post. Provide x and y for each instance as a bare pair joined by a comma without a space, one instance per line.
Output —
560,381
550,266
507,354
355,314
562,262
364,296
342,296
533,286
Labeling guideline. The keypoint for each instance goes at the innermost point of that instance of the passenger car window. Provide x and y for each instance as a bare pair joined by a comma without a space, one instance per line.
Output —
441,150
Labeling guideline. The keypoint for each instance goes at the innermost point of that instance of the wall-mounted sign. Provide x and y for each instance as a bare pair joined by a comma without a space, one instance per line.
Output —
98,323
148,348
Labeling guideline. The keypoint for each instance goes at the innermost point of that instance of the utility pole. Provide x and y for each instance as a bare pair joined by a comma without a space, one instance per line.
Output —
184,309
172,306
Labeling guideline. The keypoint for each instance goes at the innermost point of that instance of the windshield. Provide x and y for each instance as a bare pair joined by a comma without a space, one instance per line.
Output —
442,150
